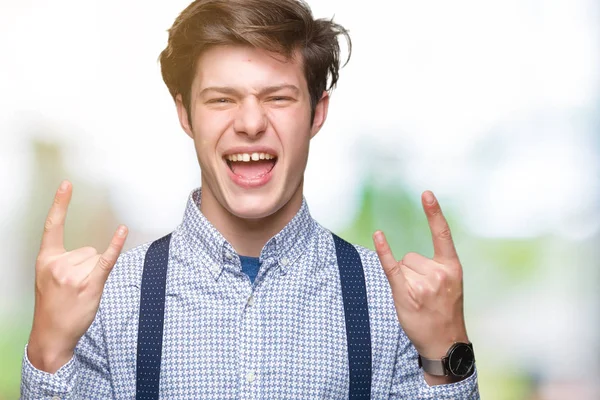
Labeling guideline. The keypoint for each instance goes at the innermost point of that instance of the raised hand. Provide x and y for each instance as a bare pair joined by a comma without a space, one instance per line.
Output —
68,288
428,293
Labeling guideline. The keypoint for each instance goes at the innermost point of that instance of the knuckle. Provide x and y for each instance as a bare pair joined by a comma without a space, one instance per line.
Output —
445,233
409,258
435,211
65,280
419,290
417,295
48,224
115,246
89,250
441,276
105,263
440,281
405,258
392,272
384,250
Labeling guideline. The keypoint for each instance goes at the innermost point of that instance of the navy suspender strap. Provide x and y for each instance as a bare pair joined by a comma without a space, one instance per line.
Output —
152,308
152,315
356,312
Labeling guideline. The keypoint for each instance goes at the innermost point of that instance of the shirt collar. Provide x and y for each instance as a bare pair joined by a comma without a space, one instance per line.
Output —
206,243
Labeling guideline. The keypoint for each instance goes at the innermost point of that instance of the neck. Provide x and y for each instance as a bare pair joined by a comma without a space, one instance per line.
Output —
248,236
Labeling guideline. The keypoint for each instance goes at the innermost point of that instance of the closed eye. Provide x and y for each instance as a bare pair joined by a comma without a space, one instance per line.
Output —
280,98
220,100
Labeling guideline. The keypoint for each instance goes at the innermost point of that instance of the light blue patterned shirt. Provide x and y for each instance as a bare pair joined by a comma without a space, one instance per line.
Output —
282,338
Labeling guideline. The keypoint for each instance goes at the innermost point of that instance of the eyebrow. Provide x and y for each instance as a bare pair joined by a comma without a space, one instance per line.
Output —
263,92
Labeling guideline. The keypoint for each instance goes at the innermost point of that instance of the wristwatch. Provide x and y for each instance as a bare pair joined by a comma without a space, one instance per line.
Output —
459,362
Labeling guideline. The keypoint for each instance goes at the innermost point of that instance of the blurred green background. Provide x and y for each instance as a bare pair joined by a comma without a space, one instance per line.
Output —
493,105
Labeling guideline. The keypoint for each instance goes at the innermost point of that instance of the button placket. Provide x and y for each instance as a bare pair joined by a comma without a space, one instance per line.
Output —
251,350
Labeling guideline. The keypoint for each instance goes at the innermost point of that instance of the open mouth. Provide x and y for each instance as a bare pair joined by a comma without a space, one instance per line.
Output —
251,165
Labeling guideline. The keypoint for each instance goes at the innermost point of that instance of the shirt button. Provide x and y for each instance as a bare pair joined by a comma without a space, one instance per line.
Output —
228,256
250,301
284,261
250,377
55,398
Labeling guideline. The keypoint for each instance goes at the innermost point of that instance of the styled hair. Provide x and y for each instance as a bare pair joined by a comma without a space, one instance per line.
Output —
279,26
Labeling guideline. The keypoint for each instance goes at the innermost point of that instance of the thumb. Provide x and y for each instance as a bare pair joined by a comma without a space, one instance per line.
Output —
391,267
108,259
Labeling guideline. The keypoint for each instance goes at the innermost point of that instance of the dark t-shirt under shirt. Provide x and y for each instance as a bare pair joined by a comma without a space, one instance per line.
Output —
250,266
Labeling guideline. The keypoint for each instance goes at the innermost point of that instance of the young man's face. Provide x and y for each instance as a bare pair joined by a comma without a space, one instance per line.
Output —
250,114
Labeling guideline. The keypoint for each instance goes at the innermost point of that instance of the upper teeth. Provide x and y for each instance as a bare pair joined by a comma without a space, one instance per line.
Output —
250,156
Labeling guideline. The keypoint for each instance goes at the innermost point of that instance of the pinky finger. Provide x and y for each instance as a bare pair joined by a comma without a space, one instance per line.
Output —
108,259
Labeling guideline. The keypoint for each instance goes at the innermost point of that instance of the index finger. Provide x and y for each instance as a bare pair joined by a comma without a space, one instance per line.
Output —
443,245
53,236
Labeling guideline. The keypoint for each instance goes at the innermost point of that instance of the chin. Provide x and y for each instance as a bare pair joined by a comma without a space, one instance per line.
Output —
254,206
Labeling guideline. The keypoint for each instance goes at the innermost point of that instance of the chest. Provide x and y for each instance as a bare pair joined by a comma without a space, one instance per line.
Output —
284,338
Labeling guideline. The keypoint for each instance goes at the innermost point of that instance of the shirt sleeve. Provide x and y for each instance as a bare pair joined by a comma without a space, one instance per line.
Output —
85,376
408,381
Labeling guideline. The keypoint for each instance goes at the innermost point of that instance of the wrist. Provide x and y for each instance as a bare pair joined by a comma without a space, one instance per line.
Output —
439,349
47,356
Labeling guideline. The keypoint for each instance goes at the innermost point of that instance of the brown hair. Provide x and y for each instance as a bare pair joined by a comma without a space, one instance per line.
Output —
280,26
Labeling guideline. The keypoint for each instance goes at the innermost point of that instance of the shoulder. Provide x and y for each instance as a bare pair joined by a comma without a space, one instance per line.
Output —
385,329
377,283
369,259
375,279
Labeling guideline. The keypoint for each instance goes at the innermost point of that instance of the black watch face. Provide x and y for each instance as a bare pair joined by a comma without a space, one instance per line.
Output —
461,360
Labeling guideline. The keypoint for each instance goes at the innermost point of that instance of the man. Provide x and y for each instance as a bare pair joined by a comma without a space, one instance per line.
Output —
255,301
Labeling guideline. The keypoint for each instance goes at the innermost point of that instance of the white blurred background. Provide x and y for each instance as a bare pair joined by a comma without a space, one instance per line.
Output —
494,105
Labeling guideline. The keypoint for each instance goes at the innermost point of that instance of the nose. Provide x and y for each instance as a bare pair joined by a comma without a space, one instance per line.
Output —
251,118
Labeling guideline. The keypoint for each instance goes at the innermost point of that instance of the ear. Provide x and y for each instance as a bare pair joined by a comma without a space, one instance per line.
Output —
182,113
320,114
